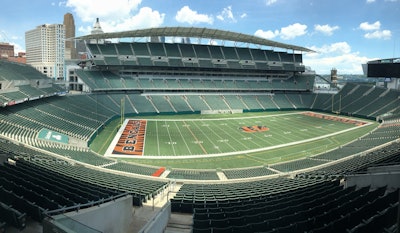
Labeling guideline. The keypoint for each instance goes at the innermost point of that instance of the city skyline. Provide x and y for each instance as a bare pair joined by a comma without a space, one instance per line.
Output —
344,34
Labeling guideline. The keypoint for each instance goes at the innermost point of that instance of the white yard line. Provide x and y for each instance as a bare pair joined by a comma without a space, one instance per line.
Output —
158,140
197,140
170,138
212,143
187,146
221,138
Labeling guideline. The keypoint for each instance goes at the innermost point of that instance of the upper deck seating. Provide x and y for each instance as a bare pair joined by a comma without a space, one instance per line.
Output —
157,49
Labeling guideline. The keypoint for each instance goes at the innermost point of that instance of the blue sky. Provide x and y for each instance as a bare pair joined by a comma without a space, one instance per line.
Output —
345,33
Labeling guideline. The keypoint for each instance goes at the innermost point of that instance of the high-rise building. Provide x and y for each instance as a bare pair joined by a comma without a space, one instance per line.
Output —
70,49
45,46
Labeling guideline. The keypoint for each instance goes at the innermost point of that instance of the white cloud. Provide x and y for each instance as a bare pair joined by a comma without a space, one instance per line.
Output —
106,10
377,33
384,34
270,2
186,15
116,15
337,55
293,31
85,30
325,29
370,27
286,33
226,14
244,15
267,34
145,18
339,47
371,1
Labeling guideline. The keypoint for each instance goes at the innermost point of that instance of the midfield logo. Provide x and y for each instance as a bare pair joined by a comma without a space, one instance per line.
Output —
254,129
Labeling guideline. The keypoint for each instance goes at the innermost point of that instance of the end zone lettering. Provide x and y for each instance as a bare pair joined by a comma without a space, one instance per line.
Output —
131,141
335,118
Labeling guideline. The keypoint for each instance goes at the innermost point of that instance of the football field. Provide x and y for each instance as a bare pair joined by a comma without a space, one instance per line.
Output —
262,138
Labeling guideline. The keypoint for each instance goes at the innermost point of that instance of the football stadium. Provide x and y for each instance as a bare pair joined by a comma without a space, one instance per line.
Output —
185,129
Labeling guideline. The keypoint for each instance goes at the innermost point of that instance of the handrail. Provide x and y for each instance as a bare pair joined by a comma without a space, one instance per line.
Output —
81,206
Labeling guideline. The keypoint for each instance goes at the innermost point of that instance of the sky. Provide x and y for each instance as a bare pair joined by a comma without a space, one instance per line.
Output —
344,33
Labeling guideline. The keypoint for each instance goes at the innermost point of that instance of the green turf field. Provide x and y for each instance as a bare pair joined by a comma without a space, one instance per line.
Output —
228,135
224,141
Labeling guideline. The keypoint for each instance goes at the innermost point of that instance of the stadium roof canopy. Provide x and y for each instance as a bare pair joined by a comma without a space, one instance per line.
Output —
194,32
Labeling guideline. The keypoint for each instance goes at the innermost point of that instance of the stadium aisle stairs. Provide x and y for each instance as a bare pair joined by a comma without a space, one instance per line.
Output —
221,176
142,215
165,173
179,222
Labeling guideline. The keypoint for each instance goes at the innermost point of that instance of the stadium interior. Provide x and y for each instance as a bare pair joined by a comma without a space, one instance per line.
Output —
51,178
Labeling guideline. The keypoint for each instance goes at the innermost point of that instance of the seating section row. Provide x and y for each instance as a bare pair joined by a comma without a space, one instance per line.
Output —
106,80
324,207
27,190
376,138
356,163
141,189
359,100
18,71
21,82
192,55
192,196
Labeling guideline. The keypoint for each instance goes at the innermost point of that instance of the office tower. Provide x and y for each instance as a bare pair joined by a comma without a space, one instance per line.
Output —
45,46
69,24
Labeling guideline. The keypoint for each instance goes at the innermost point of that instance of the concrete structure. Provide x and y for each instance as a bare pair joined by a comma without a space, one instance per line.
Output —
45,47
113,216
20,58
6,50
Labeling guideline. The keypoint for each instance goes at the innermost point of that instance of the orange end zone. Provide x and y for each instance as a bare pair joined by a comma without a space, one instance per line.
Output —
335,118
131,141
158,172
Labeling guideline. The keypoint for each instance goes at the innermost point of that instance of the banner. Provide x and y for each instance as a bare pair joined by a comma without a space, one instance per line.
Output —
49,135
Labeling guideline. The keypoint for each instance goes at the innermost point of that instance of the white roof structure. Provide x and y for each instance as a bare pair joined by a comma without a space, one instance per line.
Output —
194,32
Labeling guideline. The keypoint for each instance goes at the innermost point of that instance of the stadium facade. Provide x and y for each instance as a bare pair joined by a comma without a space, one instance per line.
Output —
45,130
